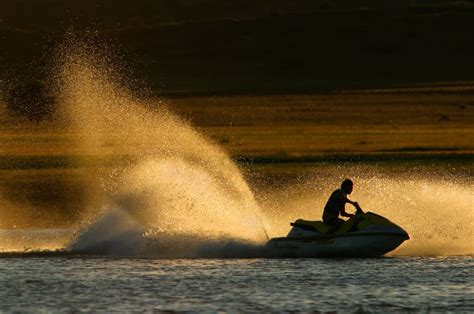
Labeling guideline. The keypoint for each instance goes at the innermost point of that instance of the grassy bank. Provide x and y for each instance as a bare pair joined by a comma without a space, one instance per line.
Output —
415,121
426,120
47,176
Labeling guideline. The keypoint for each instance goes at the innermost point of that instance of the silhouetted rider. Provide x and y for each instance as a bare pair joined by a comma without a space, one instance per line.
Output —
336,205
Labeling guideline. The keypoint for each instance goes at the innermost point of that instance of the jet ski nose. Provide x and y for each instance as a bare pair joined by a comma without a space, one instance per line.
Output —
401,233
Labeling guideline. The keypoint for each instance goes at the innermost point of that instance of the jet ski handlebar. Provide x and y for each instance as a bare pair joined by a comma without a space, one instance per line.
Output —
358,209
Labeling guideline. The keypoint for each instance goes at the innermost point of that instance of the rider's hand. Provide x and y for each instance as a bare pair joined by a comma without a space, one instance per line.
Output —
358,209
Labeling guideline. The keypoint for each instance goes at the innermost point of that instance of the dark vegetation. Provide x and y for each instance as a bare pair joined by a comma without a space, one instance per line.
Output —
254,46
30,100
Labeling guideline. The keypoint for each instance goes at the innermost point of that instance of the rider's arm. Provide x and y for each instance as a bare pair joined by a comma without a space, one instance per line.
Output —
351,202
343,212
356,205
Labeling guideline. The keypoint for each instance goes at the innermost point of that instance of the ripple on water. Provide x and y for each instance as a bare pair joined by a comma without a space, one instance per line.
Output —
383,284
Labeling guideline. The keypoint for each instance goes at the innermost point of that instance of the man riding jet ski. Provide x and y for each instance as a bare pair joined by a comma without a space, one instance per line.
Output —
336,205
362,235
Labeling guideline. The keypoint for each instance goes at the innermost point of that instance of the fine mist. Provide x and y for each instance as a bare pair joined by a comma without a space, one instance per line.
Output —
160,172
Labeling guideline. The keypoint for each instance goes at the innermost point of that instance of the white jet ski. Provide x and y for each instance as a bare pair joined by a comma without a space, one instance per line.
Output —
363,235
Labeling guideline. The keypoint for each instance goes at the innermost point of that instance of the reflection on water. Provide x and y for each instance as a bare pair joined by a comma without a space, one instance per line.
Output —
388,285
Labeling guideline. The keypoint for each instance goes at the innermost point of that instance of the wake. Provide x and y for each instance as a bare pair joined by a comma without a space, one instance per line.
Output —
116,233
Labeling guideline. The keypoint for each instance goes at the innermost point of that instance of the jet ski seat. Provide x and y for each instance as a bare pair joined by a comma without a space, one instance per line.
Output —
309,225
352,224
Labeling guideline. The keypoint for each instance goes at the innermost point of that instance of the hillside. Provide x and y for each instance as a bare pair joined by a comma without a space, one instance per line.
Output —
272,46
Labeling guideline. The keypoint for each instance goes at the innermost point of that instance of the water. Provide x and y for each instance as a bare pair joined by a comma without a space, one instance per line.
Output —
159,191
172,177
408,284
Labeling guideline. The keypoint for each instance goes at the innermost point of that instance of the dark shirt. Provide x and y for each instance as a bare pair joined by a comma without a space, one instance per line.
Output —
335,205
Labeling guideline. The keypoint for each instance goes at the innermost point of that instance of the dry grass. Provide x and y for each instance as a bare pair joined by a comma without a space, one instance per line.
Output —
45,173
433,120
414,120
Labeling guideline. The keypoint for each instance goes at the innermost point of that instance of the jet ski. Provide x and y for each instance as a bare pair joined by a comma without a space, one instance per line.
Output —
363,235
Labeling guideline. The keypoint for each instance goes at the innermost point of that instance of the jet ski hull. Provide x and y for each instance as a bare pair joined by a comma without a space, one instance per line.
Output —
344,245
363,235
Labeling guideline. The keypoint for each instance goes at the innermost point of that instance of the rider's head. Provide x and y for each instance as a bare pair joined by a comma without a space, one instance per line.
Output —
347,186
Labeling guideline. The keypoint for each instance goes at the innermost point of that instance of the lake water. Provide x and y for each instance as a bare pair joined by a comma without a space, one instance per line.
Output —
432,272
67,283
